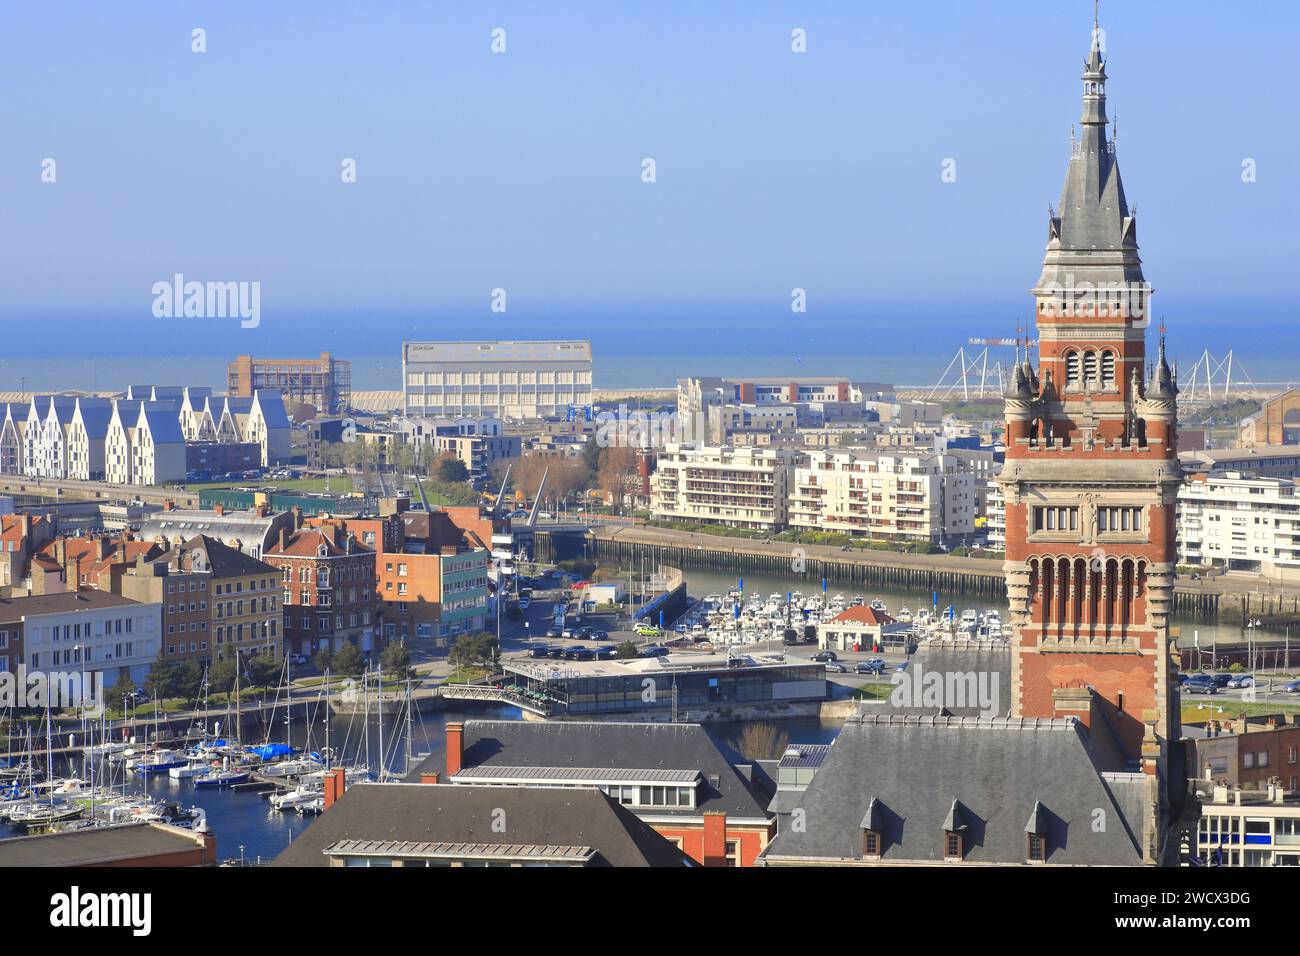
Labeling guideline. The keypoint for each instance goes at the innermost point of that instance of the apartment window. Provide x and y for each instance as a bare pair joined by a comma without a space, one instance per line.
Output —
871,843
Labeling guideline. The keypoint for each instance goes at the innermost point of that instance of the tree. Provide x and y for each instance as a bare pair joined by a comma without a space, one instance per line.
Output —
262,670
617,466
189,680
451,470
162,680
221,676
474,650
124,687
348,661
396,660
625,650
761,741
324,658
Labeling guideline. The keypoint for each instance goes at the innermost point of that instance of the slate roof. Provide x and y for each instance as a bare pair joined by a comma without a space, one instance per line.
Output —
534,817
987,660
611,746
95,414
221,559
17,608
925,774
164,426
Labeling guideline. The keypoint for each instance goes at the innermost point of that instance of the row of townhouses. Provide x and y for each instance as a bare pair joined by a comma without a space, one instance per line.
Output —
148,437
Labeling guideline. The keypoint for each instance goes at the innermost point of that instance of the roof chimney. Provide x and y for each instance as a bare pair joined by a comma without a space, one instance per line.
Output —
284,539
455,748
169,505
297,517
218,508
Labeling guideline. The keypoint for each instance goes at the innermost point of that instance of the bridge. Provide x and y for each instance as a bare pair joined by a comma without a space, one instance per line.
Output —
533,702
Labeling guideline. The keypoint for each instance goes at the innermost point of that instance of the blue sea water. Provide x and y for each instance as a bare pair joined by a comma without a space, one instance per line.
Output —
634,345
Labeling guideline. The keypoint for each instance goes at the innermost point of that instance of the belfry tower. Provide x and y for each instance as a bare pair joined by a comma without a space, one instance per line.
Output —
1091,474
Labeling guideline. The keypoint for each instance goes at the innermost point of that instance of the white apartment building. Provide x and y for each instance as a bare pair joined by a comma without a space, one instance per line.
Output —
508,380
89,630
996,513
920,497
712,484
1249,828
1238,522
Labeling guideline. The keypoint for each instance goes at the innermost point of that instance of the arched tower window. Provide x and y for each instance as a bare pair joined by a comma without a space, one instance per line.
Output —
1090,367
1071,369
1107,369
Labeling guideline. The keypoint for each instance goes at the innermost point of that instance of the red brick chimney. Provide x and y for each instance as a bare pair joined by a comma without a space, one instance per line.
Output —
336,782
429,777
455,748
284,539
714,850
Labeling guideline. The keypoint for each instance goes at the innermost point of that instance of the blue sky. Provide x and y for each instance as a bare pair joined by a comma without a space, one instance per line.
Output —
522,170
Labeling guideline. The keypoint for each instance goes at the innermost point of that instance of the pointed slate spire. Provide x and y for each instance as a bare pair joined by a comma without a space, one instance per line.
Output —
1163,386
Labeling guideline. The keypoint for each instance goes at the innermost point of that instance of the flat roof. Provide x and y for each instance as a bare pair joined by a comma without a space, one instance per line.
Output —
17,608
643,666
596,775
97,845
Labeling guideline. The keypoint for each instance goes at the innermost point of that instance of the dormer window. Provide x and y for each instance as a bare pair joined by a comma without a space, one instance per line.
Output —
1036,835
872,827
1037,849
954,833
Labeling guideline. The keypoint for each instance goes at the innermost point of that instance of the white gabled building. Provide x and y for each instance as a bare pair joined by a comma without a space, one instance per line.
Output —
87,437
120,440
158,451
48,420
13,428
268,425
193,404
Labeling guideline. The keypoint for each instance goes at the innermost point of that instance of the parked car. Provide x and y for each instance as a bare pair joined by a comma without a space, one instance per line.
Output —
554,632
596,635
654,650
556,652
584,633
836,667
606,653
873,666
1293,687
1242,680
1200,687
825,656
647,630
539,650
584,654
297,659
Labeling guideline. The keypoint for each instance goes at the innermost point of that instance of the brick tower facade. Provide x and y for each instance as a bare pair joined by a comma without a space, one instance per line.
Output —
1091,474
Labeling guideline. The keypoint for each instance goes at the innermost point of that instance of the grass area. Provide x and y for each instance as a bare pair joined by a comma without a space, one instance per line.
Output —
873,691
338,484
465,675
1222,710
